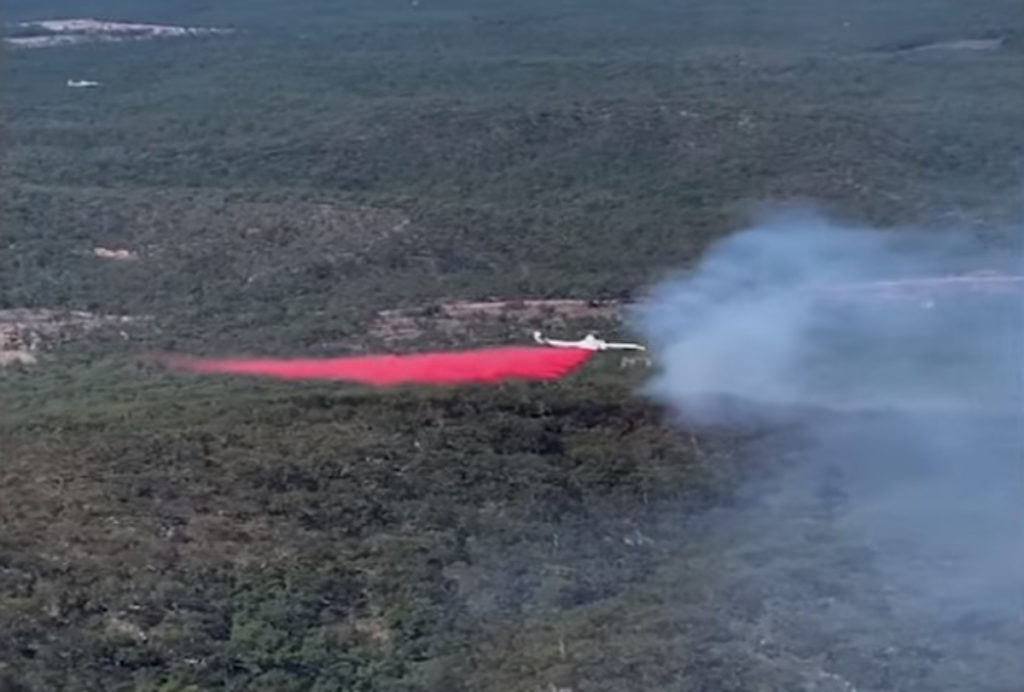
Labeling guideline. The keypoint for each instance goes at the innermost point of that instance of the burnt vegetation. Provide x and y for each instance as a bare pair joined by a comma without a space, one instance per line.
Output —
283,184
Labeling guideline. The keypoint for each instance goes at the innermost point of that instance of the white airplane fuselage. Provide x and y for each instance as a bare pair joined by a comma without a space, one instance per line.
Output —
590,342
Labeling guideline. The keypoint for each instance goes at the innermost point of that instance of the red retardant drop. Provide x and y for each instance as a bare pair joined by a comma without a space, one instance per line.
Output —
485,365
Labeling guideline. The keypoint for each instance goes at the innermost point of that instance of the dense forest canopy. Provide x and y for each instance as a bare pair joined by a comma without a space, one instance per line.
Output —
273,189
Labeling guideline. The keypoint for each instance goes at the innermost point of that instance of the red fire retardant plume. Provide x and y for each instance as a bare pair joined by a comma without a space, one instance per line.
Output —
485,365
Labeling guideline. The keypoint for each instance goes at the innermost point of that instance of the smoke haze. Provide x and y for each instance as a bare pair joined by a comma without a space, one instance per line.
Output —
908,407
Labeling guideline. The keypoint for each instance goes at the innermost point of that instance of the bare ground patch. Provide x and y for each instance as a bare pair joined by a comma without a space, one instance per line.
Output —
24,332
969,44
464,317
118,254
933,44
458,318
61,32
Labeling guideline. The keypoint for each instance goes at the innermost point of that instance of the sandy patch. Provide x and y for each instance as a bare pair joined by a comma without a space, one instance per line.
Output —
964,44
25,331
120,255
373,628
57,32
17,357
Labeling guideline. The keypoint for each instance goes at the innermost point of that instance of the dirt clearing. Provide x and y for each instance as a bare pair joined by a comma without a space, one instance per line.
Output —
60,32
459,317
24,332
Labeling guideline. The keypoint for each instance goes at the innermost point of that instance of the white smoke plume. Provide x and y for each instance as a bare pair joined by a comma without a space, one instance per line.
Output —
909,400
797,311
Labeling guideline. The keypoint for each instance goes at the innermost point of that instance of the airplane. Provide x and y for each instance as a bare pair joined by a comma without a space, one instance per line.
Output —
590,342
